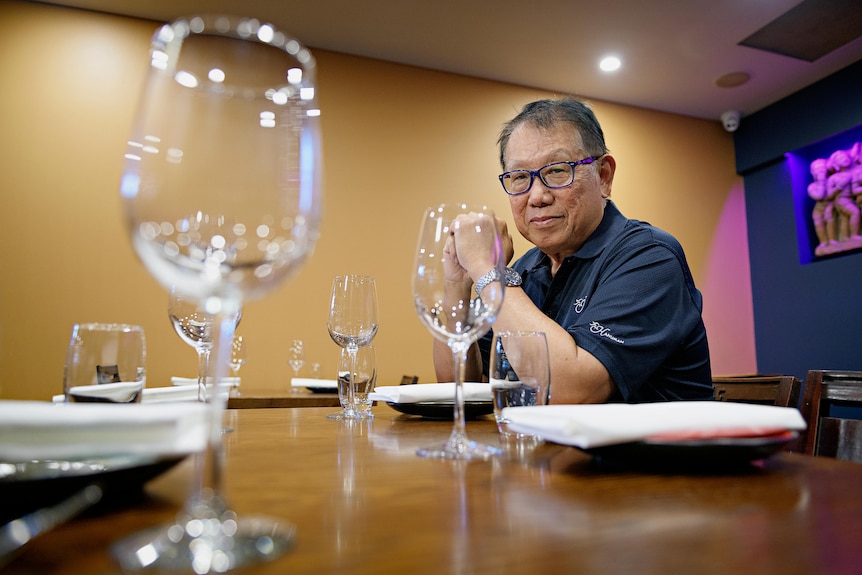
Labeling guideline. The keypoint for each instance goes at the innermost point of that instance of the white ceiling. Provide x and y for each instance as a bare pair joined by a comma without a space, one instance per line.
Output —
672,50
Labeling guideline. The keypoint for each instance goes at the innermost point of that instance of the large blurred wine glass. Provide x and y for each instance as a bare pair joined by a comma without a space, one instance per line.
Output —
352,324
221,194
457,317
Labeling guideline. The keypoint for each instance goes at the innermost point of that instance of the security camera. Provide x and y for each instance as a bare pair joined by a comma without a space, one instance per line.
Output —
730,120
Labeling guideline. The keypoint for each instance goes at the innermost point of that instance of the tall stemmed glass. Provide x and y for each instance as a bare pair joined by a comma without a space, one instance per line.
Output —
238,358
447,305
196,327
297,357
221,196
352,324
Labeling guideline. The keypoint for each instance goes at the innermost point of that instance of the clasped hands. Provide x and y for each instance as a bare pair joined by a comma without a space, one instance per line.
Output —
471,249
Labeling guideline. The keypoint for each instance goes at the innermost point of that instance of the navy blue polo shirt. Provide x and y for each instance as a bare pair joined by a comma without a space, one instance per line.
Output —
628,298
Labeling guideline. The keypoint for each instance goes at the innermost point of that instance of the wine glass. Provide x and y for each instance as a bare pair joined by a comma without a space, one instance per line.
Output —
238,358
220,188
352,324
196,327
457,317
297,357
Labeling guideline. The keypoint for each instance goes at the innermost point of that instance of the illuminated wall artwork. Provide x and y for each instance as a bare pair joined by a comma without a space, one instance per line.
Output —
827,195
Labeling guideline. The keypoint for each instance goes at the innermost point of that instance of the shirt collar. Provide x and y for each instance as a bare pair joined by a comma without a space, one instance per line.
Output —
611,225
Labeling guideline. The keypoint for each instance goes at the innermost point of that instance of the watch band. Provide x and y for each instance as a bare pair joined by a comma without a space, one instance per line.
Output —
513,278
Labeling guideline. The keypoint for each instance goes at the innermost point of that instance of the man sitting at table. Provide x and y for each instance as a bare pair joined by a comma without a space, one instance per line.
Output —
615,296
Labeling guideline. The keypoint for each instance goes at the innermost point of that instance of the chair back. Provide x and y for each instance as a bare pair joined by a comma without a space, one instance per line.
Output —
828,435
781,390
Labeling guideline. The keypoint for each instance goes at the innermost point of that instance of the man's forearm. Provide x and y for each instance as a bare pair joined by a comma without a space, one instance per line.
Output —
444,367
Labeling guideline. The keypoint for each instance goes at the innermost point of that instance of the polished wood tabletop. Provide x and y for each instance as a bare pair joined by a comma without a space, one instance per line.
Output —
363,502
284,396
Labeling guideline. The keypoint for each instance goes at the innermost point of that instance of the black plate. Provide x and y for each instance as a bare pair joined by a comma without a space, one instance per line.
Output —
472,409
713,452
28,486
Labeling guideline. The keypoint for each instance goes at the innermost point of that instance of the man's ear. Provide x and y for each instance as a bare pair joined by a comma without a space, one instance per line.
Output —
607,169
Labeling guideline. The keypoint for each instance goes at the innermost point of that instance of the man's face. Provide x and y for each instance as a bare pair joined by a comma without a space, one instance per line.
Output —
558,221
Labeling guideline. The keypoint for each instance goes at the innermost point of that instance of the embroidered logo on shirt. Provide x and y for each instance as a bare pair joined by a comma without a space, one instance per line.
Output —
579,304
602,331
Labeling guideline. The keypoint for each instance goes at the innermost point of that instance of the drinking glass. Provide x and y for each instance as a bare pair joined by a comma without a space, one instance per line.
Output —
105,363
457,316
364,379
238,358
196,327
297,357
520,373
220,188
352,325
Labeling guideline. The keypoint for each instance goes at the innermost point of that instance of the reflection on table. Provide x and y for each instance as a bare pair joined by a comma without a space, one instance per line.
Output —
363,502
281,397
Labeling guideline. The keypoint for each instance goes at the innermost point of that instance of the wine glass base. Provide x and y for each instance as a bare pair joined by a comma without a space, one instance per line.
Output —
223,546
345,415
464,450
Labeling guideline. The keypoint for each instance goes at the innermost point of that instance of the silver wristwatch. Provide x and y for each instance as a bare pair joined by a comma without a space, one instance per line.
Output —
513,278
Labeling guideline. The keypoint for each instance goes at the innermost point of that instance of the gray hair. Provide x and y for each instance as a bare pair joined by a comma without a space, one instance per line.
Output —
546,114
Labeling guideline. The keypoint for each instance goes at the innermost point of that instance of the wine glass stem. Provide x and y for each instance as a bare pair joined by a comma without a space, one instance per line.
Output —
203,369
351,380
210,472
459,361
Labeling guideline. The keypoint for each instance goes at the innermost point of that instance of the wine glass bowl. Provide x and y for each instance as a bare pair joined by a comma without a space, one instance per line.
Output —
447,305
240,119
221,194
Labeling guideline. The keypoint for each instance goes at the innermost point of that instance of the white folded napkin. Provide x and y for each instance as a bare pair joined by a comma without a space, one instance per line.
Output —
430,393
234,381
120,392
175,393
151,394
39,430
588,426
311,382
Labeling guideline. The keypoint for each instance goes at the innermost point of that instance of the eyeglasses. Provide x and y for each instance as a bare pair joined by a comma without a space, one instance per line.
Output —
556,175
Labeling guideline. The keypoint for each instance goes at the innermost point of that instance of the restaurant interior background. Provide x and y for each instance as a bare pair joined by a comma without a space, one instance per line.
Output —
396,139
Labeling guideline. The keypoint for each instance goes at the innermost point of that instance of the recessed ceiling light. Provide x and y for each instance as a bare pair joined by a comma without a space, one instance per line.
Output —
610,64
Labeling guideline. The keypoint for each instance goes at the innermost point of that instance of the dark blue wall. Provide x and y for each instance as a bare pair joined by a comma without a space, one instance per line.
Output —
806,316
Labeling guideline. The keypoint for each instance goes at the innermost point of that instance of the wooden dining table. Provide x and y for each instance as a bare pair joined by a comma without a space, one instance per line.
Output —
281,397
363,502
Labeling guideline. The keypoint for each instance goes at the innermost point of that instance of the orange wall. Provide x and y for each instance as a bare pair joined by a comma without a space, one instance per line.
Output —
396,139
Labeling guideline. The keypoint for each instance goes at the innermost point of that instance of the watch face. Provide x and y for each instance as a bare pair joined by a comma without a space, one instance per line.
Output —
513,278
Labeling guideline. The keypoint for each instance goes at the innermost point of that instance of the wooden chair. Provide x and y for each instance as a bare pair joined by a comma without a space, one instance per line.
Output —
827,435
782,390
409,379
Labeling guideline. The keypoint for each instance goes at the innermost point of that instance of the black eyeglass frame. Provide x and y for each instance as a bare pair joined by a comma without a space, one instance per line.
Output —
538,174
